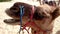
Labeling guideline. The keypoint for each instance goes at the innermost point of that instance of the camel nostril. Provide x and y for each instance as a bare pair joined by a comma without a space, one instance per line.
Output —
14,9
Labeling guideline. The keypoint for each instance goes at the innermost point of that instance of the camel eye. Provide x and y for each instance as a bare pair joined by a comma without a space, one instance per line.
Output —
43,13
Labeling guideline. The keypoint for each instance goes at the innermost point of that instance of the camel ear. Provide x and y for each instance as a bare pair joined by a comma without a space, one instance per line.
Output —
56,13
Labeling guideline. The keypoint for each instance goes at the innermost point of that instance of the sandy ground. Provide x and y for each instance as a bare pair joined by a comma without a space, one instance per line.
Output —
13,29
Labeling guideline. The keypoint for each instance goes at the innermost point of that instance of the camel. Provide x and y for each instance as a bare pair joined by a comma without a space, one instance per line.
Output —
43,16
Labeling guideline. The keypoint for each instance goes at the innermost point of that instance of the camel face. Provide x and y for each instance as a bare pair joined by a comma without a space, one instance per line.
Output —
14,11
43,14
42,11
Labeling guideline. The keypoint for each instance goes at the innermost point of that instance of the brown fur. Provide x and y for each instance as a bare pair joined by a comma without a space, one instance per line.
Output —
43,15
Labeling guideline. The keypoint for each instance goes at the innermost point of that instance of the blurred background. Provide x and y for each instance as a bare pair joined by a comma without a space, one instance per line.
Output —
4,0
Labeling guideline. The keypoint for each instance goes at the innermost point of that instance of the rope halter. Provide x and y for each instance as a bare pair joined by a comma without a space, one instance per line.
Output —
21,15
